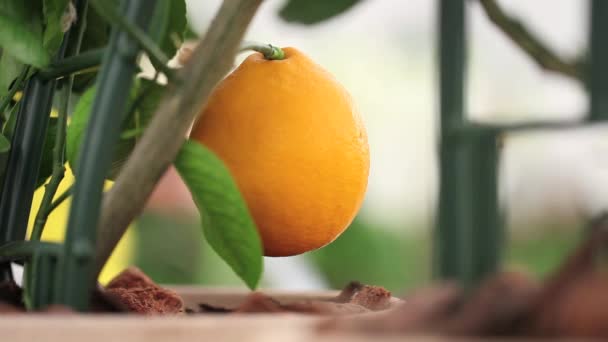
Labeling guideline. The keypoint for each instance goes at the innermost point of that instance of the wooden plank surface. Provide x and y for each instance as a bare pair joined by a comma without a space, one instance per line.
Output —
218,328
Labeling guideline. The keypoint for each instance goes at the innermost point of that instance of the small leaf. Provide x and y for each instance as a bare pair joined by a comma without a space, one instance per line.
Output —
227,224
21,33
314,11
138,119
53,11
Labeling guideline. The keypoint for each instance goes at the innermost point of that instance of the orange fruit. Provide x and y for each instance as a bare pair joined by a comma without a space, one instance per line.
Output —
295,145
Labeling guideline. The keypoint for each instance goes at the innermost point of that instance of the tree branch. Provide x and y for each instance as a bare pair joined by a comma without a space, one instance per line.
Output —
530,44
166,133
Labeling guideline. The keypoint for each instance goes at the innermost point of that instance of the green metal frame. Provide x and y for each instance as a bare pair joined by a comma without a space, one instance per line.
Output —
469,233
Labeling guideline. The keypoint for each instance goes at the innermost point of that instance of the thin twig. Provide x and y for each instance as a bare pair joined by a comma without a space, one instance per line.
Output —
61,198
85,62
165,134
145,42
531,44
59,147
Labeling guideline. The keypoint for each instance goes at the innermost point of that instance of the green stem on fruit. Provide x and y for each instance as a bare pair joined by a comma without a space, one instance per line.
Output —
269,51
155,54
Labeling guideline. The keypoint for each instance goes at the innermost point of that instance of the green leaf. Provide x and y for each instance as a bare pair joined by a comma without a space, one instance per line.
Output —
5,145
53,11
29,11
46,163
168,25
10,68
227,224
141,108
21,33
314,11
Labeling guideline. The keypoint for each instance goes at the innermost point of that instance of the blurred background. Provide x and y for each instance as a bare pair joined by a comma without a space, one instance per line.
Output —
384,52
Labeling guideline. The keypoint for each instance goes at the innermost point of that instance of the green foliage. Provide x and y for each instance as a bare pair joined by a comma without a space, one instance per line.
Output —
9,125
541,253
314,11
10,68
96,35
168,249
374,255
169,25
144,98
53,11
21,35
226,222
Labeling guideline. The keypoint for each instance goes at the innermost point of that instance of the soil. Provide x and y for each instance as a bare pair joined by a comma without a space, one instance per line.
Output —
134,292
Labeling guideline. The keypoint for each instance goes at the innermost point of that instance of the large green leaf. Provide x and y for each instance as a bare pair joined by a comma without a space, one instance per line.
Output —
21,32
53,11
314,11
227,224
141,108
168,25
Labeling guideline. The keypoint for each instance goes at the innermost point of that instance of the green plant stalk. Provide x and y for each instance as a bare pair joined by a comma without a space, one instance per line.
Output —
139,35
487,230
31,270
61,198
59,146
24,159
136,132
161,141
452,245
103,131
58,165
598,70
530,44
88,61
269,51
21,250
18,85
37,277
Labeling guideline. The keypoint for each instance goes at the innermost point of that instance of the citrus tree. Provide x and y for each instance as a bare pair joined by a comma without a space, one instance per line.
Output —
71,95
